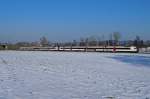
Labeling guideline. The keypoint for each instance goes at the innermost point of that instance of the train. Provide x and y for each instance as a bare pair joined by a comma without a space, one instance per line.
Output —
131,49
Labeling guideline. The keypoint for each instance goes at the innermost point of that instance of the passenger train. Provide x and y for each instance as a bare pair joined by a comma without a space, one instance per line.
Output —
131,49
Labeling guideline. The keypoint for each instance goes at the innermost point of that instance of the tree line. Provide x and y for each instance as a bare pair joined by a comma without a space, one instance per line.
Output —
114,40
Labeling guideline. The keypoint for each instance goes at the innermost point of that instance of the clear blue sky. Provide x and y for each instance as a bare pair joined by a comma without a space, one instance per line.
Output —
63,20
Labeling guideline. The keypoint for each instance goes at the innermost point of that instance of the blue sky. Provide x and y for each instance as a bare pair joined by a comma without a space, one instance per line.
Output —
64,20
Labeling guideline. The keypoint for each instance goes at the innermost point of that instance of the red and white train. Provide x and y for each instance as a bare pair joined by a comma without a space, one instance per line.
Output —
131,49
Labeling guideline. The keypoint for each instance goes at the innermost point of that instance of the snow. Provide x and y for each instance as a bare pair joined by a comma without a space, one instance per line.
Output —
134,59
72,75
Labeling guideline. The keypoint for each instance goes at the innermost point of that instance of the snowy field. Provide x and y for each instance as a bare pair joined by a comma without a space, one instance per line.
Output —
65,75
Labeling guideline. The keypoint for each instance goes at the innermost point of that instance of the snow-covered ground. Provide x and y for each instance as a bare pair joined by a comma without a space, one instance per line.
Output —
66,75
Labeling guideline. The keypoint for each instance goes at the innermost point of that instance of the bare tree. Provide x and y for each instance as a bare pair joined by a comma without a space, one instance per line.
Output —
110,36
74,43
44,41
92,41
138,42
110,39
98,41
116,36
82,42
